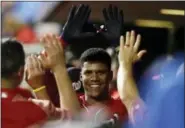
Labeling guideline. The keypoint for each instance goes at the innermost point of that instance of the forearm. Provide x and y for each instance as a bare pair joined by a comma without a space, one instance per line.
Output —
129,95
126,86
68,97
42,94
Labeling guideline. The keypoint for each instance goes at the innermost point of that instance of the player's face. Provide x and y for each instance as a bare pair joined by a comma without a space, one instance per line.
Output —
95,77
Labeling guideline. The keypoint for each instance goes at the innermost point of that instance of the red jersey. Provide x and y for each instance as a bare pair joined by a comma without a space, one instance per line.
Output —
114,94
17,112
115,106
12,93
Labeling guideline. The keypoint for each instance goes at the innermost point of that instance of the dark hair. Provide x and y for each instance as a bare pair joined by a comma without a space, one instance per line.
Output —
96,55
12,56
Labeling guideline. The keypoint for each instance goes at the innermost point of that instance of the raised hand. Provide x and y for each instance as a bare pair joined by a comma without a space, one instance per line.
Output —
76,19
54,59
113,22
128,52
54,52
127,88
34,72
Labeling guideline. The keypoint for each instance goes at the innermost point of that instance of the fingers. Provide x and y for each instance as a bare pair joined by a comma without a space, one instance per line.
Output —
29,64
46,44
56,42
137,43
121,43
109,13
80,10
140,54
105,14
50,39
131,41
132,38
27,67
80,13
51,43
121,19
36,64
115,12
70,16
42,59
84,11
72,13
127,43
40,66
88,12
110,10
33,67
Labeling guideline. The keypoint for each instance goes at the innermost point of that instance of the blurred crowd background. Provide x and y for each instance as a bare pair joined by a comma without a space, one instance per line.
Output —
161,25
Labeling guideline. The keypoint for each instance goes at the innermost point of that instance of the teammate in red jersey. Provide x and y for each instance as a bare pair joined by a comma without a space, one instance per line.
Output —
96,76
16,112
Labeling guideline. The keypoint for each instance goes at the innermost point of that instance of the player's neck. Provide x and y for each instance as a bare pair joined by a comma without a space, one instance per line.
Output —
7,84
92,100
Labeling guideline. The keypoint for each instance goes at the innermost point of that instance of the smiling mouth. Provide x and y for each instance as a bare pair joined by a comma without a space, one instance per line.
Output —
95,86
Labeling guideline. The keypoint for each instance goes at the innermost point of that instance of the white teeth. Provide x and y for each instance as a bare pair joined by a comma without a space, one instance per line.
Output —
94,86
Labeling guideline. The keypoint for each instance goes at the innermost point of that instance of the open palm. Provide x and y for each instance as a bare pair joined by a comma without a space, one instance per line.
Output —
128,52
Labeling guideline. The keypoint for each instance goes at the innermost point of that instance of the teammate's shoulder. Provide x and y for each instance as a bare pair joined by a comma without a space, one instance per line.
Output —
19,111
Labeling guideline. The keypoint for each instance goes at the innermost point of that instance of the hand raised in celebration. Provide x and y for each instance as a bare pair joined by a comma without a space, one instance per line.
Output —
54,52
113,22
34,72
77,18
128,52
